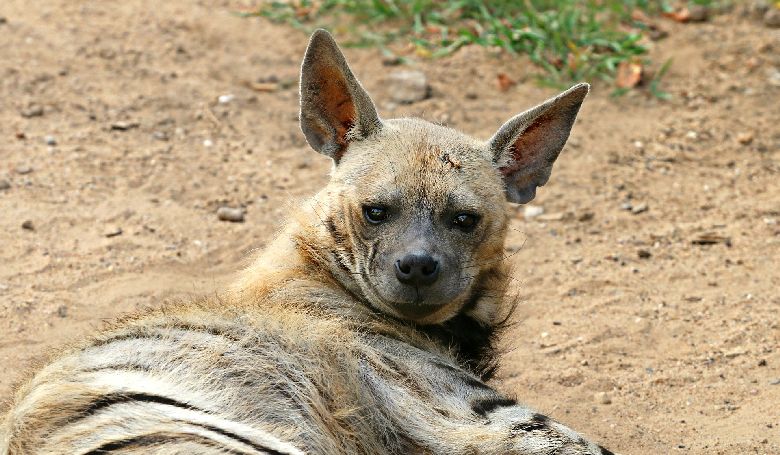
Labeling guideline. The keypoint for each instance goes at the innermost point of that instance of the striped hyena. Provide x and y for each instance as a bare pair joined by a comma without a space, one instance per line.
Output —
366,327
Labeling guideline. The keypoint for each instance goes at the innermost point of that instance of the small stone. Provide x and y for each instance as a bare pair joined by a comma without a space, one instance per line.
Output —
224,99
640,208
208,143
626,206
603,398
113,231
745,138
775,382
644,254
698,13
50,140
762,363
772,18
234,215
33,110
124,126
160,135
27,225
62,311
584,363
531,211
23,169
5,185
407,87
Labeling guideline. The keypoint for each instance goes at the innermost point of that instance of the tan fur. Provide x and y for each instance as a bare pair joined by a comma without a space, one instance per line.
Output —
306,353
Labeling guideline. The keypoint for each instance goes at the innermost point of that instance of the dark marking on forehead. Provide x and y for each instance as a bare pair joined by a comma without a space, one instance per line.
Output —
446,158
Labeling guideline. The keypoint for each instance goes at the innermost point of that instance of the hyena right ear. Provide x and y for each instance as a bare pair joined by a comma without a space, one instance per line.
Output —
335,109
525,148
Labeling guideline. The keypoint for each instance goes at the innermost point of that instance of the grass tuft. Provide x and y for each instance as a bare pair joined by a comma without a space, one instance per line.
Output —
569,40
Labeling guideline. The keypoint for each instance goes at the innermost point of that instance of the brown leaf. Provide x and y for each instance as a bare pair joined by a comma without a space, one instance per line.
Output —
505,82
640,16
629,74
681,15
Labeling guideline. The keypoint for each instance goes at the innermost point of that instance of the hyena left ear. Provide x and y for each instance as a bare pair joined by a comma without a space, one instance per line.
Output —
335,109
525,148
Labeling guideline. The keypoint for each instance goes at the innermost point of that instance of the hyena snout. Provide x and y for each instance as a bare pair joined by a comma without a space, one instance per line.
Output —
417,269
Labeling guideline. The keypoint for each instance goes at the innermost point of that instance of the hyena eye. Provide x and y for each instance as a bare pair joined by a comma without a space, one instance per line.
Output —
374,214
466,222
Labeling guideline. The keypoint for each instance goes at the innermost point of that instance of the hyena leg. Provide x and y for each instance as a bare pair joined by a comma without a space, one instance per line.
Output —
441,408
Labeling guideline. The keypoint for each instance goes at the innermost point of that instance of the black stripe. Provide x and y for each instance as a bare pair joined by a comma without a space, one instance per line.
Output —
485,406
110,400
240,439
157,439
119,398
605,451
537,422
145,333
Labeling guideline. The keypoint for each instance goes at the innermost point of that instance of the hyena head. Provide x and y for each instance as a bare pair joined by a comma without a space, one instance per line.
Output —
414,216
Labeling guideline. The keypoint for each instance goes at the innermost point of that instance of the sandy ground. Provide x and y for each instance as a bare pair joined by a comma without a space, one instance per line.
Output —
629,330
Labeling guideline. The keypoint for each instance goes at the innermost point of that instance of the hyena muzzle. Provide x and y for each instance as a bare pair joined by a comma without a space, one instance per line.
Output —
366,327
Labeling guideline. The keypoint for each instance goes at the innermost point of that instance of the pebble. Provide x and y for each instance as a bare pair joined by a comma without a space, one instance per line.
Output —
644,254
640,208
33,110
208,143
23,169
531,211
62,311
27,225
160,135
232,214
124,126
603,398
113,231
50,140
698,13
224,99
745,138
408,86
626,206
5,185
772,18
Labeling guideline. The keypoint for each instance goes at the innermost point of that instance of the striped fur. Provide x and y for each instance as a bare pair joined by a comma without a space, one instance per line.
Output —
305,354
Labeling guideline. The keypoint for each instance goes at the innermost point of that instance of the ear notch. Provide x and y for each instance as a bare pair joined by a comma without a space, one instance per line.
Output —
335,109
525,148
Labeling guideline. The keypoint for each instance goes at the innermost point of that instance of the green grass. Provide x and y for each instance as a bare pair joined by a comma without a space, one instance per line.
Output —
569,40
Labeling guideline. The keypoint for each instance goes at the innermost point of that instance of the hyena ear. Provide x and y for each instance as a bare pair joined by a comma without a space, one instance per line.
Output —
525,148
335,109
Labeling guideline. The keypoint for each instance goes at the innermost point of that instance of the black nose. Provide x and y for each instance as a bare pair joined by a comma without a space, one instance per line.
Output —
417,269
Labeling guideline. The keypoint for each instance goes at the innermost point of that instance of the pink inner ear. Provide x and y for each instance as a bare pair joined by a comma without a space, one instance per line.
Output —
337,104
528,150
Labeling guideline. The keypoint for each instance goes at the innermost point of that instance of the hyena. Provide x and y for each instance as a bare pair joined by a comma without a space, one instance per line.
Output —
366,327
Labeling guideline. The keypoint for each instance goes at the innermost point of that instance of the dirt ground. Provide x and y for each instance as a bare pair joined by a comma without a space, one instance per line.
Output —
117,153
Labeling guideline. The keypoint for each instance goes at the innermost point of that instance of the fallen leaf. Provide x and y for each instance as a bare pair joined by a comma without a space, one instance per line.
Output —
263,86
629,74
681,15
505,82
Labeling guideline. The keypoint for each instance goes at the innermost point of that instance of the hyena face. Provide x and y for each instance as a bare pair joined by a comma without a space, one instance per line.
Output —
416,212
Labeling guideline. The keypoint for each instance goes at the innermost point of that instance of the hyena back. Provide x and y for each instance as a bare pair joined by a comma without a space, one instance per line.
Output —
367,326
